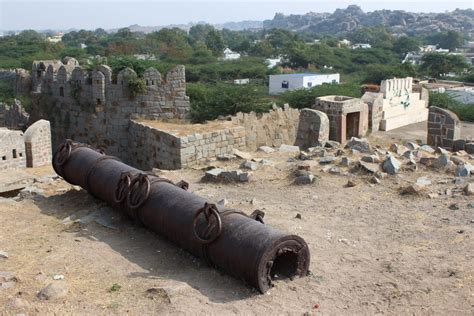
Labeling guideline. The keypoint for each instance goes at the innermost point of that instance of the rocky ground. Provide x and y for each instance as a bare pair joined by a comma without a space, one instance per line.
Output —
397,243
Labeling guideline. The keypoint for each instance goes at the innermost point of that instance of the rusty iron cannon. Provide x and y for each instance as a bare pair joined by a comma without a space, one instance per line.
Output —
225,238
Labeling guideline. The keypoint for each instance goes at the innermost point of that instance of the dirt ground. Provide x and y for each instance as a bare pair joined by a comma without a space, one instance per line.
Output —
373,251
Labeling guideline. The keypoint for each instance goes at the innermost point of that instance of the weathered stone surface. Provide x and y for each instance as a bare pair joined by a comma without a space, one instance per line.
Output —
411,145
464,170
391,165
360,144
469,189
332,144
428,149
226,157
53,291
346,161
248,164
413,189
3,254
212,174
444,128
442,162
457,160
469,148
317,151
375,180
313,128
327,159
369,167
371,158
289,149
242,154
266,149
304,179
424,181
398,149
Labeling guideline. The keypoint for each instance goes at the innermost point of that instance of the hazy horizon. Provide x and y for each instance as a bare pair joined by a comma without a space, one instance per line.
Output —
87,14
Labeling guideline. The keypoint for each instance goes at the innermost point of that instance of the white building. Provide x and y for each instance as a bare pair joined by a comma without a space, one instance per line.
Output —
462,94
242,81
361,45
55,38
230,55
272,62
288,82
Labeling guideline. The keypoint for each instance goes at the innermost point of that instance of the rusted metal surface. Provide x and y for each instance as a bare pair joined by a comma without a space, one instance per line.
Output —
225,238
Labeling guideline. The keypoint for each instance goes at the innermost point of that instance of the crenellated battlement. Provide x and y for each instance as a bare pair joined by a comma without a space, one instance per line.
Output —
67,79
95,106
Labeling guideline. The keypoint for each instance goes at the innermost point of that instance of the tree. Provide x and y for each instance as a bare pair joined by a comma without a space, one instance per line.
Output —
214,42
406,44
447,40
437,65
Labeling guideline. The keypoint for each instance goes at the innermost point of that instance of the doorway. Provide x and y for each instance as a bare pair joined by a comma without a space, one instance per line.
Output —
352,125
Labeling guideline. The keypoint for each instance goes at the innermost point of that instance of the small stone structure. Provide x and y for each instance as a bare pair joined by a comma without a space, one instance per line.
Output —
402,104
38,144
173,146
348,117
313,129
12,149
444,128
31,149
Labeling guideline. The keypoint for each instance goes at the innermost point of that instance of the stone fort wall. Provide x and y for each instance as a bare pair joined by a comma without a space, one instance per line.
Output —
152,147
95,107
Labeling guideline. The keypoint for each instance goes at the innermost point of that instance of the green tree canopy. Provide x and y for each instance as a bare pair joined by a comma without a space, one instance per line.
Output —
437,64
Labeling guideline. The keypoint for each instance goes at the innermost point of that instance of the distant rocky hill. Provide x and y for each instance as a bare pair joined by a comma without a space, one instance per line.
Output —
234,26
352,18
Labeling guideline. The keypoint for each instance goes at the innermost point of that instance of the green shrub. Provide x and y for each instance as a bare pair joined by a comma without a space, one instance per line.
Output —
6,92
136,85
208,101
304,98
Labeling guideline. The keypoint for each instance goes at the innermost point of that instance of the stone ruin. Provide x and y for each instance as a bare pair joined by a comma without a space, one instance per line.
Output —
96,107
14,116
397,103
444,130
31,149
348,117
173,146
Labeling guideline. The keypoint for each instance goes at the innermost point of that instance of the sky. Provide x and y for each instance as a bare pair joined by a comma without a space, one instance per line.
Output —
91,14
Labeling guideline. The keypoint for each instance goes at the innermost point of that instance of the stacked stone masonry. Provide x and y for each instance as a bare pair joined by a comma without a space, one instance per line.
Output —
31,149
444,128
157,148
12,149
274,128
313,129
96,107
348,117
38,144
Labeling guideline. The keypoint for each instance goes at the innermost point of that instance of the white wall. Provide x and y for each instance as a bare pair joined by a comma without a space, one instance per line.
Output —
320,79
298,82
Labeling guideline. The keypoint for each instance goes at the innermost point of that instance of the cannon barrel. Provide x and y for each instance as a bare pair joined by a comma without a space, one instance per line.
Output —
225,238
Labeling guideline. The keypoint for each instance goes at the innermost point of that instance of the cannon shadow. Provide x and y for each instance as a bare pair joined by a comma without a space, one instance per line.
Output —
159,258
